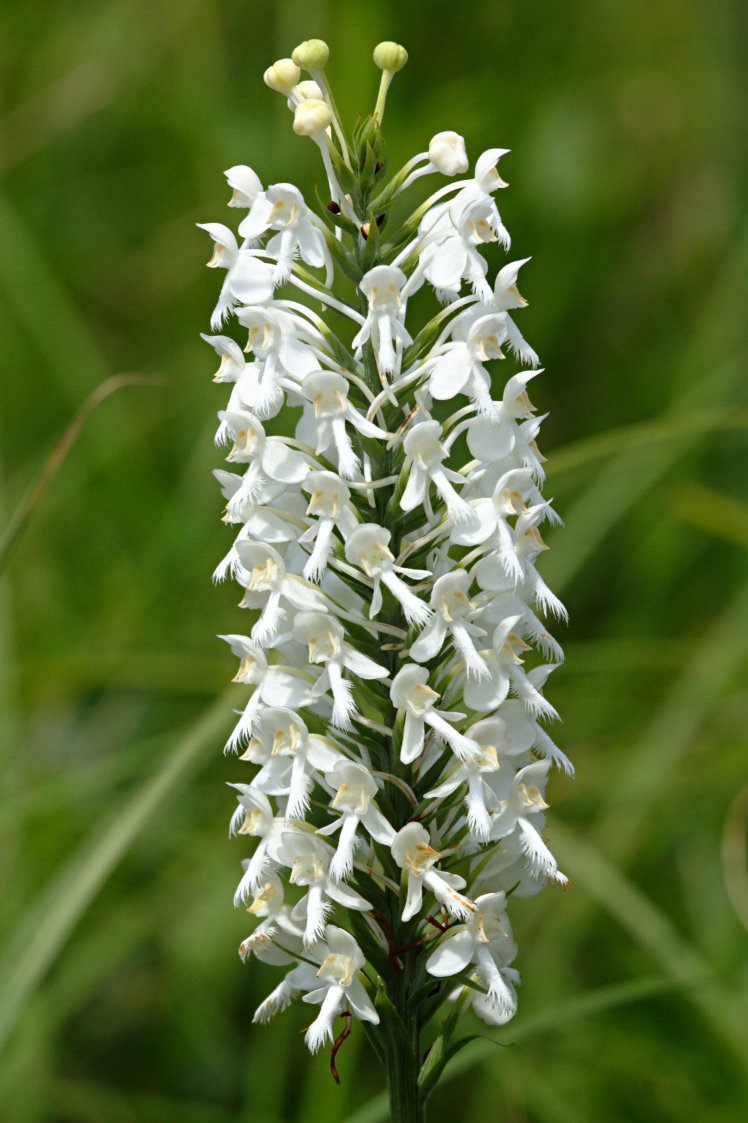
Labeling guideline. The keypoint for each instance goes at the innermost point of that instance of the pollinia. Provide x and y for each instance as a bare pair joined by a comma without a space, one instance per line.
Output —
385,482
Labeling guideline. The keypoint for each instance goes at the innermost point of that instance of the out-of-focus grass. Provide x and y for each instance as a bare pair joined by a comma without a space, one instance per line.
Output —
123,997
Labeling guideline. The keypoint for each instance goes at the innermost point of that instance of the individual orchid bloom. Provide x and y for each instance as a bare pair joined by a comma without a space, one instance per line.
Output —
308,858
339,986
411,695
323,635
382,286
485,940
271,512
506,297
330,507
505,597
301,978
504,664
452,609
281,343
268,457
516,551
226,255
368,548
485,181
450,235
274,686
268,585
245,185
290,756
323,424
426,452
492,437
479,798
355,789
235,369
254,817
460,369
276,920
414,854
282,208
526,802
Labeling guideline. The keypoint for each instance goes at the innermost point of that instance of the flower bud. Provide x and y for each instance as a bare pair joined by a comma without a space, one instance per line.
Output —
312,54
447,153
311,117
309,89
282,75
390,56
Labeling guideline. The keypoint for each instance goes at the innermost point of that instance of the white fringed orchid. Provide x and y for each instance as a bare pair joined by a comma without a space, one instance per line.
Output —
387,509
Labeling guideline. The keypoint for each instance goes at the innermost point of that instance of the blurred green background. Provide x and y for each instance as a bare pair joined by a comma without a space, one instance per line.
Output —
121,995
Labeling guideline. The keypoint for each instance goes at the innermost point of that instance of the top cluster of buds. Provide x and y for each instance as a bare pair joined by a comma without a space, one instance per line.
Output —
386,486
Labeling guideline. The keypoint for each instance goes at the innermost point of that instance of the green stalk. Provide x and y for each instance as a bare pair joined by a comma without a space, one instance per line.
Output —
401,1050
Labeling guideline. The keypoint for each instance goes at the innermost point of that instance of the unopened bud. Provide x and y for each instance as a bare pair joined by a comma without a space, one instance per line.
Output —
390,56
447,153
312,54
282,75
311,117
309,89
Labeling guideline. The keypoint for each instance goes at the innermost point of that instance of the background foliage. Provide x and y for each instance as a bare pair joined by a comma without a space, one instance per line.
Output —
122,995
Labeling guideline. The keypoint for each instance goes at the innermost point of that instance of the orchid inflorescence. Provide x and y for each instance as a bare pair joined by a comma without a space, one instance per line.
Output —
389,510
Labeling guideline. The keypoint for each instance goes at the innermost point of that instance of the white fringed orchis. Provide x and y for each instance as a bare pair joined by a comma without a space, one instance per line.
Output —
484,940
382,286
414,854
368,548
460,369
323,635
268,586
329,504
426,453
355,788
274,686
324,425
412,696
526,802
308,858
339,985
383,584
452,609
289,755
282,208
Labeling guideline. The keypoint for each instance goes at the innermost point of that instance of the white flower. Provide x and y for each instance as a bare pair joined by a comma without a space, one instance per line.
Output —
414,854
355,788
368,548
282,208
382,286
323,635
339,985
411,694
426,452
330,505
484,940
273,685
268,586
460,368
245,185
452,607
308,858
324,425
289,755
526,802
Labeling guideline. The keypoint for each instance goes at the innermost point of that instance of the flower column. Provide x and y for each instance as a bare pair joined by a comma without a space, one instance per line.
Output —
387,555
